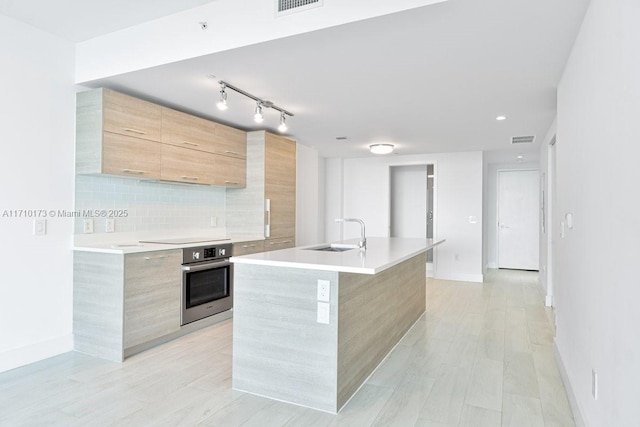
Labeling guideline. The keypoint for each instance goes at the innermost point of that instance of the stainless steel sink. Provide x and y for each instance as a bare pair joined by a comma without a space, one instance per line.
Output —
336,247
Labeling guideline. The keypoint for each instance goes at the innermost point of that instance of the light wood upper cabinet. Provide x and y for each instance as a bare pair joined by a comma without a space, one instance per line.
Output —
230,171
117,134
280,190
131,116
124,155
186,165
230,142
187,131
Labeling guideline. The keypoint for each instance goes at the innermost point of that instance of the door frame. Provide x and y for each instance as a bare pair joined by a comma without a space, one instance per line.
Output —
497,235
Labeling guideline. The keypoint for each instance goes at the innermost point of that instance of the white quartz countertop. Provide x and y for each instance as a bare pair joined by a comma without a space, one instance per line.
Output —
381,253
131,246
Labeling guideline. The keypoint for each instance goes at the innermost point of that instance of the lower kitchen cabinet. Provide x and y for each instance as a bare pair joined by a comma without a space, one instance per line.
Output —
122,302
152,293
282,243
248,248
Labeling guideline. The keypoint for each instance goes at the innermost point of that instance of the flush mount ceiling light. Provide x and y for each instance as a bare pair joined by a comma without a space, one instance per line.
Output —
381,148
260,104
222,104
501,118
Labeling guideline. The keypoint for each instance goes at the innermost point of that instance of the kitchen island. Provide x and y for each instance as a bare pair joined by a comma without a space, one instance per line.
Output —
312,323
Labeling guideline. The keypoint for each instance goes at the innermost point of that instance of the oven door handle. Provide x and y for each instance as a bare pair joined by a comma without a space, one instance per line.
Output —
207,266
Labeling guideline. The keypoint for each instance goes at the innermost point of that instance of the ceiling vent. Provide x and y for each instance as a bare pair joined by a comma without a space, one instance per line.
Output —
285,7
522,139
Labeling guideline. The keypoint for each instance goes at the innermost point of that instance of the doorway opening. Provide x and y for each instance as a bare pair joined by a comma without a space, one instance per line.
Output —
412,203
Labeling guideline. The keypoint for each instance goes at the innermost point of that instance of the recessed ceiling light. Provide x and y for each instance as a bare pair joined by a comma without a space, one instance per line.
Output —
501,118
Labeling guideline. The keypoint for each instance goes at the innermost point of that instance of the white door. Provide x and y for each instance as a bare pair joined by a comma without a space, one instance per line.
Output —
409,201
518,219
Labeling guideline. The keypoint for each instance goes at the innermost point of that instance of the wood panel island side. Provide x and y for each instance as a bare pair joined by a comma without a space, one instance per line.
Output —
286,347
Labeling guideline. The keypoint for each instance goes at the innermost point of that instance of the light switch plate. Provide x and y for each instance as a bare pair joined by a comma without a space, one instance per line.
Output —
323,312
39,227
324,290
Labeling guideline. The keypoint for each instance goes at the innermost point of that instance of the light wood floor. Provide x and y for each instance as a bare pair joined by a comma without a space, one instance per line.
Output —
481,356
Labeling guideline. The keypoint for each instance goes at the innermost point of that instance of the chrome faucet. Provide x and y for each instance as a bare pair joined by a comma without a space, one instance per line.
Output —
362,244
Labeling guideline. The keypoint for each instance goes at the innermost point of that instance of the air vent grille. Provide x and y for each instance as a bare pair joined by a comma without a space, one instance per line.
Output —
289,6
522,139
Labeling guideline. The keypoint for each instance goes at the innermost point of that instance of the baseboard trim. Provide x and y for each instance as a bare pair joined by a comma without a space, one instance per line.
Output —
492,265
575,408
458,277
22,356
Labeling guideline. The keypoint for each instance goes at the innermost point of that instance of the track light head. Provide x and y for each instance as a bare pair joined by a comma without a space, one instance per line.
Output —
258,117
222,104
283,123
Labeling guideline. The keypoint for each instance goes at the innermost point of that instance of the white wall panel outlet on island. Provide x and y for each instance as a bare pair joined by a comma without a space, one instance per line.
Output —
87,225
110,225
39,227
323,312
213,222
324,287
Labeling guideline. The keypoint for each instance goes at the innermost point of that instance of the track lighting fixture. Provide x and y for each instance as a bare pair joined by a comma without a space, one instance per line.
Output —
222,104
260,105
283,123
258,116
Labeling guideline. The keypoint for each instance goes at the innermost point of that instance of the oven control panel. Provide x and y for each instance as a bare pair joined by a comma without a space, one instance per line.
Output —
206,253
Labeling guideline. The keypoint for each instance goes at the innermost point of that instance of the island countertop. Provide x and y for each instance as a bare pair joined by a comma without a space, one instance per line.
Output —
381,254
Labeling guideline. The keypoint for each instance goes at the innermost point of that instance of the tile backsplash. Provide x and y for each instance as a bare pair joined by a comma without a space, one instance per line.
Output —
148,205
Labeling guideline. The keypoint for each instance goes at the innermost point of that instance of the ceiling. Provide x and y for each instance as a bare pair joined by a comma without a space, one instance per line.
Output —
431,79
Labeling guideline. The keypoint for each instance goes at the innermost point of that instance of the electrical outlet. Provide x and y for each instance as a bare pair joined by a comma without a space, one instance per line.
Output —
110,225
323,312
39,227
87,225
324,287
594,383
214,221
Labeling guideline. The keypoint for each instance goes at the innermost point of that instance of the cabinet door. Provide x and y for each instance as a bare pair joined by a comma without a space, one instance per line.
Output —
152,295
186,165
247,248
230,171
128,156
280,185
276,244
230,142
184,130
127,115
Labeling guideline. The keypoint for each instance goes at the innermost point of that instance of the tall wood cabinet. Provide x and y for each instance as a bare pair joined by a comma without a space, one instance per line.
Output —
267,206
280,192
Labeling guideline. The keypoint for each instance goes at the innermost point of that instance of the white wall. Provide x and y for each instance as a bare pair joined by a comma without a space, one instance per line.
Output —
37,116
458,195
597,291
309,198
333,198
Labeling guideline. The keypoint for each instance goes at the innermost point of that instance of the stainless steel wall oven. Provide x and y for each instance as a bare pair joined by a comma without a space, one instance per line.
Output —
207,281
